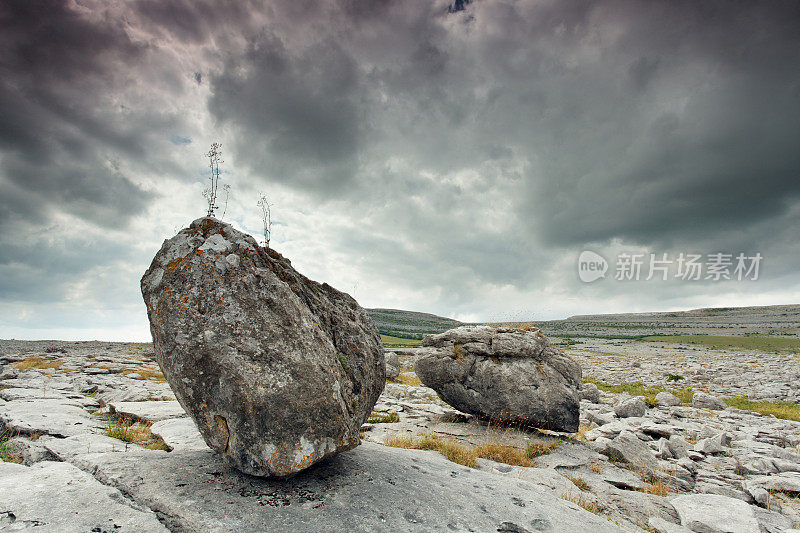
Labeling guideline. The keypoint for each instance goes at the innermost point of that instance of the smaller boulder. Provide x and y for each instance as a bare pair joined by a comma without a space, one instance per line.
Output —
701,400
631,407
589,391
392,365
392,359
392,372
506,374
667,399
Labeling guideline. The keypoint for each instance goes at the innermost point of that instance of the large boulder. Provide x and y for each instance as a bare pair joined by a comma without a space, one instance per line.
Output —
278,371
504,374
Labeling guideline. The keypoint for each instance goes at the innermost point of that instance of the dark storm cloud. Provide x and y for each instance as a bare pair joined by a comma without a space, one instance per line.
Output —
62,128
640,121
299,111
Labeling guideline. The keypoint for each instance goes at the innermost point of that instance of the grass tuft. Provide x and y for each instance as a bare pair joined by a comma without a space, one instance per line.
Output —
637,388
657,488
581,501
406,378
538,448
389,418
135,433
467,456
451,449
38,362
8,452
502,453
579,482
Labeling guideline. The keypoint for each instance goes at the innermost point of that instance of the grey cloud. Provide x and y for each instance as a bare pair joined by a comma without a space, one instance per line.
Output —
471,150
64,125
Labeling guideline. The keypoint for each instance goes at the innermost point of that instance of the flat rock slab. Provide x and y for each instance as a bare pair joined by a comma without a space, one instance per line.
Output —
711,513
371,488
51,497
148,410
78,445
180,434
60,418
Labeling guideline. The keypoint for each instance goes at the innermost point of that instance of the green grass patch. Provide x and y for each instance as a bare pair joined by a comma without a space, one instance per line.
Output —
8,453
397,341
135,433
637,388
389,418
721,342
784,410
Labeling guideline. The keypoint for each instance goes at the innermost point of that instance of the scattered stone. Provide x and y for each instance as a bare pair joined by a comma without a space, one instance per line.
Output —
503,373
667,399
701,400
277,371
631,407
629,448
392,365
589,391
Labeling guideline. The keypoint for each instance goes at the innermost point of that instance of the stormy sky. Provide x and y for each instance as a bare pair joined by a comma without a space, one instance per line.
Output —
454,161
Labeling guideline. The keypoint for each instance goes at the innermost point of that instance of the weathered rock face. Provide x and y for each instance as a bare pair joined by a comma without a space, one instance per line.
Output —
278,371
503,373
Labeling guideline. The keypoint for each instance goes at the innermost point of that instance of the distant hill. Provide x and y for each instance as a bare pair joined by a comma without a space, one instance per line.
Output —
410,324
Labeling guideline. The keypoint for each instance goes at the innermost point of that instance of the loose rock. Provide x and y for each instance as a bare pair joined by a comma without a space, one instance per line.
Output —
701,400
631,407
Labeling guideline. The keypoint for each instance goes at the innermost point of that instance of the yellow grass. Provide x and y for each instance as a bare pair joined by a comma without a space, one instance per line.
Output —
658,488
597,468
582,501
579,482
8,452
136,433
538,448
407,378
582,430
502,453
467,455
451,449
38,362
145,373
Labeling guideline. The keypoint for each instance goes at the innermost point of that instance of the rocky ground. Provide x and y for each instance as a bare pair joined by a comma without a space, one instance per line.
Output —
94,441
